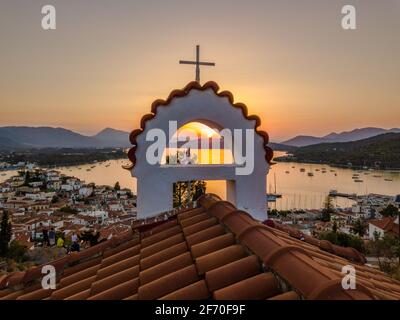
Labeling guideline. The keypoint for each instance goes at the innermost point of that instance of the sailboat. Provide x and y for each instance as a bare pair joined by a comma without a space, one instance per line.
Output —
271,197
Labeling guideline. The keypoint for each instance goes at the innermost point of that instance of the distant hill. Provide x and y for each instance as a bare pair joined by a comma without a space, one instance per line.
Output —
112,137
382,149
7,143
48,137
346,136
300,141
281,147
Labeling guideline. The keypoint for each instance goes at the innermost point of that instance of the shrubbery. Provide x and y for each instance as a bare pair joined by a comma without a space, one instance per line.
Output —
344,240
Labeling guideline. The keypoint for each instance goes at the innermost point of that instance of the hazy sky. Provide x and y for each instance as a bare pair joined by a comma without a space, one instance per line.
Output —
289,61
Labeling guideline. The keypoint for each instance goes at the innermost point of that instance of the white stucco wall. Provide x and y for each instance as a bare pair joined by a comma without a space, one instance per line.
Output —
372,229
155,182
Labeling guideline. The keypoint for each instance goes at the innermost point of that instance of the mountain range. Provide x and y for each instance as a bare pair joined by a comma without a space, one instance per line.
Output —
14,137
346,136
47,137
382,150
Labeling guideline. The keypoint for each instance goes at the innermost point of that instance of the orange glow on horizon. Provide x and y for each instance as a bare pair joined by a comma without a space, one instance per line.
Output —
198,130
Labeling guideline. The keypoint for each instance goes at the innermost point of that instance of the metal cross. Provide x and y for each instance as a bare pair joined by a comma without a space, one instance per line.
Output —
197,63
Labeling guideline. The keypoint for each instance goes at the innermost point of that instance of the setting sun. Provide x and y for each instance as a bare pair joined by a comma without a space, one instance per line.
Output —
197,129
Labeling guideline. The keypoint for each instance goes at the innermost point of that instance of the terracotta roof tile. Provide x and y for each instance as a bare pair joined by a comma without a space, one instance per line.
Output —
163,255
114,279
169,283
166,267
195,291
73,278
83,295
89,252
212,245
290,295
13,279
127,253
81,266
238,221
121,247
289,233
261,286
220,208
202,225
13,295
72,289
190,214
230,257
161,245
117,267
5,292
232,272
160,236
219,258
386,224
195,219
205,235
159,228
118,292
132,297
36,295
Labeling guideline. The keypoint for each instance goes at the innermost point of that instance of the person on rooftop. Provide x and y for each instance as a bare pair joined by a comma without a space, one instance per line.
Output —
52,237
75,245
45,236
60,242
74,237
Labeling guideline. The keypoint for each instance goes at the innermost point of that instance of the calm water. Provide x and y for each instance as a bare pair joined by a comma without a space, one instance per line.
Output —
297,188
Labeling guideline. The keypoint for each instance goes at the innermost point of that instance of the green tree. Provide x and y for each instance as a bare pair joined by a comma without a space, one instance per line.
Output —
334,226
343,239
68,209
387,250
199,190
273,212
17,252
327,210
185,192
27,178
117,187
390,211
359,227
5,234
90,236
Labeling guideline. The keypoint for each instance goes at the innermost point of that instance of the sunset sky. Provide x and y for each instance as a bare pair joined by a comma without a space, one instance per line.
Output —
289,61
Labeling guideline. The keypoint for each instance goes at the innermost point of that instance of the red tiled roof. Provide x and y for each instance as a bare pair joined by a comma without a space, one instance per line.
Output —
348,252
387,224
214,251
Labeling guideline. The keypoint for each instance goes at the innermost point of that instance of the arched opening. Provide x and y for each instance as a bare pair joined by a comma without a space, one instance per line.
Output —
197,143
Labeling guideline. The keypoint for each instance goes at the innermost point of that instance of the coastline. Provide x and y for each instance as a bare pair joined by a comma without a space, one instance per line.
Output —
334,165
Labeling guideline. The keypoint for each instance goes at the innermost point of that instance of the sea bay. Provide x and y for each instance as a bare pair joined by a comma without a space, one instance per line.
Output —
298,189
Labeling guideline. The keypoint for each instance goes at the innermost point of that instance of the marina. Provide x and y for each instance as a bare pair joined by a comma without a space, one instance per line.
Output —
297,189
